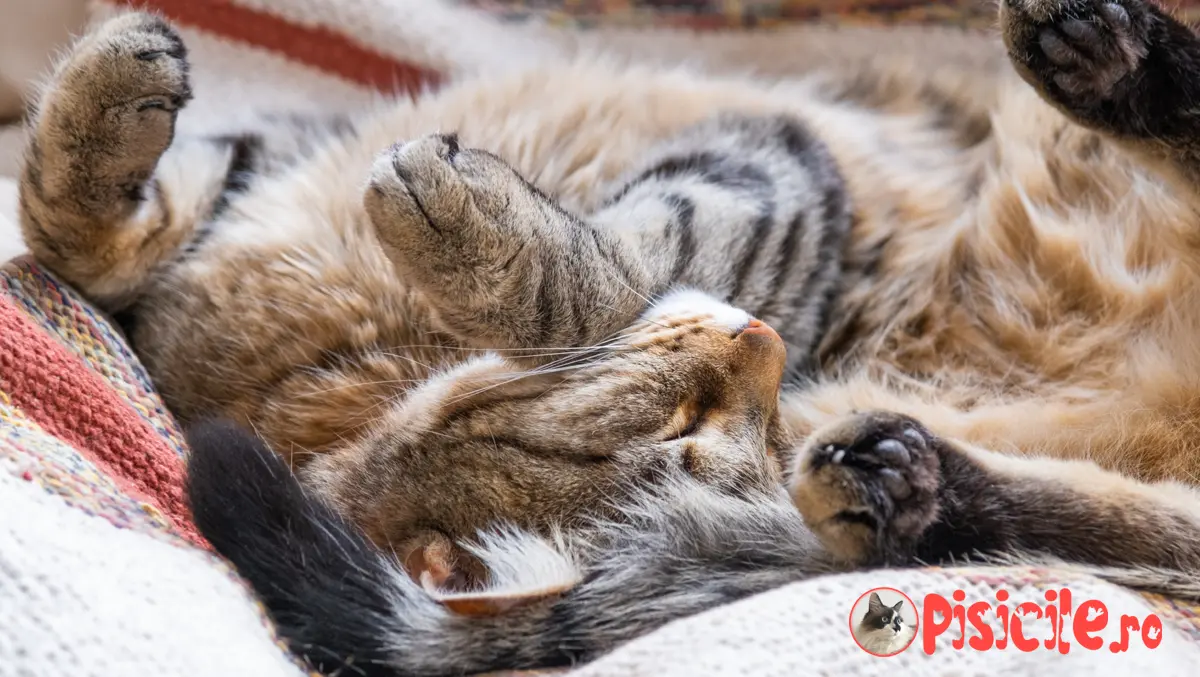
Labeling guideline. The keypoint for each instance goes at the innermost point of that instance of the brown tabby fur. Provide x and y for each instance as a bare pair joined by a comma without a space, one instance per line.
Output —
1020,277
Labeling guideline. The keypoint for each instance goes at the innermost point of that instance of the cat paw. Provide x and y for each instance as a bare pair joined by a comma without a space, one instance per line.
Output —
136,61
116,96
441,210
868,485
1076,51
416,193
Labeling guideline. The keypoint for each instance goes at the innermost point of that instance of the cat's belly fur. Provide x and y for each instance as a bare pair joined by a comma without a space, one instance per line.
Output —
296,260
990,271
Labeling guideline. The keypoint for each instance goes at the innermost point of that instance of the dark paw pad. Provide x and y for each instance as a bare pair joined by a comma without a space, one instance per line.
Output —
1079,52
868,485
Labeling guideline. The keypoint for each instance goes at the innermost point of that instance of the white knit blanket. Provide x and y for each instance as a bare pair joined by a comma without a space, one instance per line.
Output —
803,629
82,598
79,596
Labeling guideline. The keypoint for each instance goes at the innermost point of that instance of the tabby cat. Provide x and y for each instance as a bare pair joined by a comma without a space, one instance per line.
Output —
987,303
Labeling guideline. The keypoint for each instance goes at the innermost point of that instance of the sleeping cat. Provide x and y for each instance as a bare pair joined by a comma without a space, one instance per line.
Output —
429,338
583,327
881,629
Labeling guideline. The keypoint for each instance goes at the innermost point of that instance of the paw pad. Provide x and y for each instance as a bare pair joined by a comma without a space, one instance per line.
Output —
868,485
1078,51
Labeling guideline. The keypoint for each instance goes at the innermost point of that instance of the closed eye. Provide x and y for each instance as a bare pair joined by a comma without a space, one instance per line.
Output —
686,421
687,431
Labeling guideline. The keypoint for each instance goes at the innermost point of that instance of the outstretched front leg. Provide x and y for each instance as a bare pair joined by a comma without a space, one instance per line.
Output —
505,266
879,488
1124,67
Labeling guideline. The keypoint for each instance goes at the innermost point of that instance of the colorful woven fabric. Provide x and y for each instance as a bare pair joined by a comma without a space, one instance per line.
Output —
65,372
93,338
745,14
103,571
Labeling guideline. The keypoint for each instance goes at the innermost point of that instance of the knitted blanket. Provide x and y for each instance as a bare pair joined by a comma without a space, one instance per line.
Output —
101,571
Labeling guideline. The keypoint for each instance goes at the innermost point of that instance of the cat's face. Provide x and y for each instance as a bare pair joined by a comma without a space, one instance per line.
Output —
691,387
881,622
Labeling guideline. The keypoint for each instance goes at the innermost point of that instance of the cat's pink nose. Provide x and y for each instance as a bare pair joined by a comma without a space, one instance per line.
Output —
758,328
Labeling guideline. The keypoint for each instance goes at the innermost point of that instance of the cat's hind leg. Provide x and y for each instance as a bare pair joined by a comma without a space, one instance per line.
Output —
92,208
1122,67
879,488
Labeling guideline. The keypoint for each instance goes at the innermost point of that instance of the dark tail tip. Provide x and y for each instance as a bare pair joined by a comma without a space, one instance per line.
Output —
234,482
324,585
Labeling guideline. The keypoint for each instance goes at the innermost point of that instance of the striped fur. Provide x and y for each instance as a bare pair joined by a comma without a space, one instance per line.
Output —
346,294
531,300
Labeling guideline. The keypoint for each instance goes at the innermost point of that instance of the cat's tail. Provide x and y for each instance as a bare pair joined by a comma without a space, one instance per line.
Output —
342,604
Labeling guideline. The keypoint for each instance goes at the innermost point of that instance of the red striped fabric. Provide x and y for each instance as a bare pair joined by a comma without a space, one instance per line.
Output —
56,390
317,47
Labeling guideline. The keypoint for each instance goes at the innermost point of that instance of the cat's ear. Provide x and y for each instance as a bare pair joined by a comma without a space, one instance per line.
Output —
898,605
874,605
437,563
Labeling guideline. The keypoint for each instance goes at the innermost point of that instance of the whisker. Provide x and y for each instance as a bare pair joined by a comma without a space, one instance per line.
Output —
537,355
615,276
567,359
515,378
559,362
416,346
415,361
360,384
603,305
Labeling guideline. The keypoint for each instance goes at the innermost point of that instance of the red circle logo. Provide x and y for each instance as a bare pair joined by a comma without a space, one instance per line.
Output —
884,621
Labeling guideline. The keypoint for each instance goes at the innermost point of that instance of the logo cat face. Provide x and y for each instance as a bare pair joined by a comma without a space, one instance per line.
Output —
881,629
882,617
